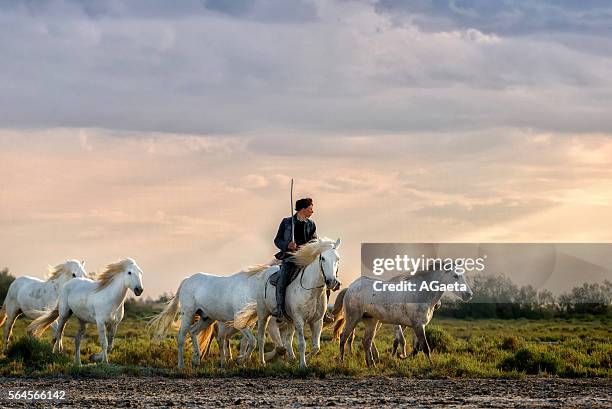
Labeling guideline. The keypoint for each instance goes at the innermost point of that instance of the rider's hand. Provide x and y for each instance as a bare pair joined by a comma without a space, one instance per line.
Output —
292,245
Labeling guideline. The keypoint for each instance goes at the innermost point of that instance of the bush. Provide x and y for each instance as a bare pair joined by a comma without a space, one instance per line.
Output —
438,339
34,354
511,343
532,361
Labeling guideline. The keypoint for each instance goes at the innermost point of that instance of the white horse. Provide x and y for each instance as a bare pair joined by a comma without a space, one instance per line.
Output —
33,297
212,298
305,298
97,302
362,302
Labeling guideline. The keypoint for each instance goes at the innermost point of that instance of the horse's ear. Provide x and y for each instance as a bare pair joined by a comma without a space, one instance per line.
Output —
83,263
338,243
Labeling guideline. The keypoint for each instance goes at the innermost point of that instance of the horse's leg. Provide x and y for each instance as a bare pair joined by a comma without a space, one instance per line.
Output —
349,328
251,344
419,331
351,343
194,330
315,333
54,332
277,340
286,331
416,347
399,340
215,333
77,342
299,328
368,336
373,349
402,341
229,332
182,334
244,345
64,314
103,340
11,317
262,323
223,337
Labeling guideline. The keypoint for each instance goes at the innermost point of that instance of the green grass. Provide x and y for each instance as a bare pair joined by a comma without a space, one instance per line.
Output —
461,348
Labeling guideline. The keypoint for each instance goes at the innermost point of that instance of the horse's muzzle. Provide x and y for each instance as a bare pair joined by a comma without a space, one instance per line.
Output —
466,296
333,285
138,291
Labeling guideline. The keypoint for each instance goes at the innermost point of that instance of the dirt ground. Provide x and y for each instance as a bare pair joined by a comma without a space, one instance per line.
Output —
151,392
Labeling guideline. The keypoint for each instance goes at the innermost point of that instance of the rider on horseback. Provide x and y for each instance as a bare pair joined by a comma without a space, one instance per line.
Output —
305,230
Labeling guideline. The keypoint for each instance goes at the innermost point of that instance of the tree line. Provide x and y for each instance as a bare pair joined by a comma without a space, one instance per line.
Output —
497,296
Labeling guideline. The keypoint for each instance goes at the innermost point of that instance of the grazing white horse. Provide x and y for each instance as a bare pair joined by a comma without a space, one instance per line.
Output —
97,302
361,302
33,297
212,298
305,299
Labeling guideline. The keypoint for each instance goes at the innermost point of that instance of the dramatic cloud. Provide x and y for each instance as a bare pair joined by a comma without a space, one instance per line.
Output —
235,67
169,131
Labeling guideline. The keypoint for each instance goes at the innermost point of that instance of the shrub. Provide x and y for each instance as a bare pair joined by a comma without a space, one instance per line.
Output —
532,361
511,343
34,354
438,339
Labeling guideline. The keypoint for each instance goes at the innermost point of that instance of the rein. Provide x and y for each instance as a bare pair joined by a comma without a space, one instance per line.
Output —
320,270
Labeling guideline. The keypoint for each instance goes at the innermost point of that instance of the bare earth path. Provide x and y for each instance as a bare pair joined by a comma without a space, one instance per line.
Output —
151,392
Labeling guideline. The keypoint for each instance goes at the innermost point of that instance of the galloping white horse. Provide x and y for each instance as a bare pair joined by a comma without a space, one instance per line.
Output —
97,302
212,298
34,297
362,302
305,299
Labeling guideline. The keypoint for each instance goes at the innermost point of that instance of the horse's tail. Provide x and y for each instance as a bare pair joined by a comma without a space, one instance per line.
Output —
246,317
161,323
3,313
338,312
40,324
205,338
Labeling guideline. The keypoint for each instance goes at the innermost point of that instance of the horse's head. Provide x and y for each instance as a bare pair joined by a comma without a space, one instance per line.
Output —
330,260
132,276
459,278
68,270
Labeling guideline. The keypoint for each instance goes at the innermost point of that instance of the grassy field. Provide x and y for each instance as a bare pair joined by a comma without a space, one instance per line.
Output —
461,348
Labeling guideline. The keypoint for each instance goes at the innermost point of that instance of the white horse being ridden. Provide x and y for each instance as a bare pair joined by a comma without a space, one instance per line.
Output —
33,297
97,302
305,299
362,302
212,298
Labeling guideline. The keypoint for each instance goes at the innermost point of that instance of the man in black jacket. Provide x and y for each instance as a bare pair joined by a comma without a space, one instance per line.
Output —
305,230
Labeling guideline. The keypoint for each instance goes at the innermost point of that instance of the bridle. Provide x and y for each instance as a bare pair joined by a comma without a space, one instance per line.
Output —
322,273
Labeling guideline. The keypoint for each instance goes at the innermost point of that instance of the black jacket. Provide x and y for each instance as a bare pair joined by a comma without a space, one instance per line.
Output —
283,237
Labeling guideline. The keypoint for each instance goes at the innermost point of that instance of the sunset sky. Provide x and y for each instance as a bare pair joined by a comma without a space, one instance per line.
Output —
169,132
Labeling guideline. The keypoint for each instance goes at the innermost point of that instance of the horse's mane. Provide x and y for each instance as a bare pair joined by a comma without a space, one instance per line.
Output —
254,269
307,253
57,271
106,277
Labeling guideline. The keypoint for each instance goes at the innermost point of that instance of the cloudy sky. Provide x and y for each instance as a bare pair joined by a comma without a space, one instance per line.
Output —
168,132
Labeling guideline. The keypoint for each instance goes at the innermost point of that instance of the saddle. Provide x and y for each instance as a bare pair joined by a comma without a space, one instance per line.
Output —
274,277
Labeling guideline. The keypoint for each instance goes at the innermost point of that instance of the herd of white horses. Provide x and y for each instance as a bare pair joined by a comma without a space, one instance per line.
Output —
212,305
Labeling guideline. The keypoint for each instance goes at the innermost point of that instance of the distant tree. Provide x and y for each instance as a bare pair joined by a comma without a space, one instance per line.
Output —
5,281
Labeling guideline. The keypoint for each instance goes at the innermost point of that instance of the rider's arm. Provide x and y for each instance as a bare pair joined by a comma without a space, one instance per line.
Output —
280,240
